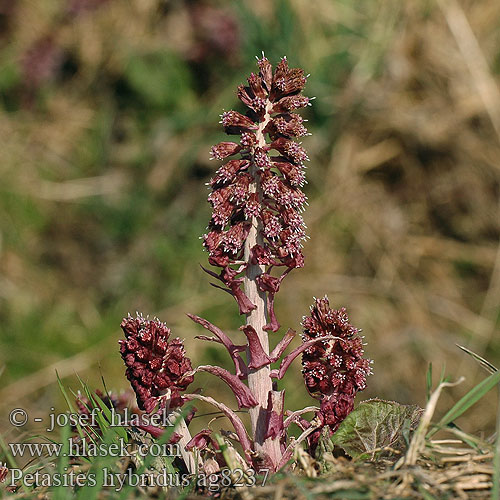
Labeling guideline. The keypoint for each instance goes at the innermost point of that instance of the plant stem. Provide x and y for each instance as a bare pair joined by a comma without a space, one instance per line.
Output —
259,380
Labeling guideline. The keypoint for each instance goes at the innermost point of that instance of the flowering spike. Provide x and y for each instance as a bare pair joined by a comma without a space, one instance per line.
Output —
271,100
335,370
157,367
257,200
255,227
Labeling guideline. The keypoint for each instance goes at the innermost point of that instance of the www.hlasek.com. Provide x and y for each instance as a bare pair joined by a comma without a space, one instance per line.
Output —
82,448
109,479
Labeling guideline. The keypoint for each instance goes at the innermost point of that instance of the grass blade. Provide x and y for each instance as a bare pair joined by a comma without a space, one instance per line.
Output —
429,381
61,493
483,362
471,398
65,394
495,489
122,433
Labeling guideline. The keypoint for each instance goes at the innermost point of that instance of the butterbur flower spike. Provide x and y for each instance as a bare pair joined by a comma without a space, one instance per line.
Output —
157,368
262,187
334,370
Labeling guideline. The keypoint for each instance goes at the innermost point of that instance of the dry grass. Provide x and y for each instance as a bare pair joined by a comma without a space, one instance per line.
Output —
460,476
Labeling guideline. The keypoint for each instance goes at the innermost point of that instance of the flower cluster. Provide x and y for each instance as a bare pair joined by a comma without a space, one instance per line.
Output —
334,370
157,368
260,184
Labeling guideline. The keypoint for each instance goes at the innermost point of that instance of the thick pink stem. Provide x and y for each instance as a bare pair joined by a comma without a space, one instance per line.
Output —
259,379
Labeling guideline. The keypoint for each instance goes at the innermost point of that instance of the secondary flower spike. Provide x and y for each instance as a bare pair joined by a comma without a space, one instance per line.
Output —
334,370
260,183
157,369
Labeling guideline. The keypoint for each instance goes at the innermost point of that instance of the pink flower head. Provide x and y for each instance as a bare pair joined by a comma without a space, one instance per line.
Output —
224,149
262,186
334,370
157,369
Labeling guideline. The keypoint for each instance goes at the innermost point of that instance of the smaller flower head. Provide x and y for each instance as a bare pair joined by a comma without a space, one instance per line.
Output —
157,368
334,370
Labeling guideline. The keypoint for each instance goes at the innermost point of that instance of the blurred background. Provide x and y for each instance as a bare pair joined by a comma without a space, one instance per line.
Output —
108,109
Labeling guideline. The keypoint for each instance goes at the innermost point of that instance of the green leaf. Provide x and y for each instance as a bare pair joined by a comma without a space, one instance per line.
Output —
105,423
65,394
376,425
